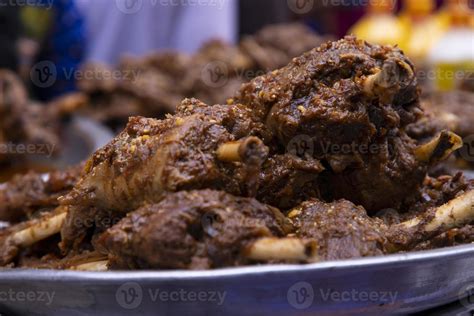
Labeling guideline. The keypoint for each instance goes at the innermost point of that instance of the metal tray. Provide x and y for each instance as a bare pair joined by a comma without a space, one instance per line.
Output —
395,284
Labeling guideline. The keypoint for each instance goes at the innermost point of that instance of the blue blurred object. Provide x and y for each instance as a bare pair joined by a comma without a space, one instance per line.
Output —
64,47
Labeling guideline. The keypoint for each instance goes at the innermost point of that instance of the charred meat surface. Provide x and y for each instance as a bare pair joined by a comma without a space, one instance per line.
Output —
191,230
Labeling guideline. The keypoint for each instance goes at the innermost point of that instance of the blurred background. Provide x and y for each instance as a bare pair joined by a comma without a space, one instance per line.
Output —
105,60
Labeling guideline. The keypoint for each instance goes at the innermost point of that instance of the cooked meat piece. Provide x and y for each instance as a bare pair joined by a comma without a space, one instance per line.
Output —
22,121
287,180
275,45
453,237
354,101
216,71
434,193
26,194
341,229
191,230
453,110
150,158
14,239
321,94
448,111
438,191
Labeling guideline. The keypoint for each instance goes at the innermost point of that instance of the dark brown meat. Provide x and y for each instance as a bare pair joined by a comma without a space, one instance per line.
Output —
22,121
453,110
356,132
341,229
453,237
150,158
438,191
191,230
274,46
26,194
287,180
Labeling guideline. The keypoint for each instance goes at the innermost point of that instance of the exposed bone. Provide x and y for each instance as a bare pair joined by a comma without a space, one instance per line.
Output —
387,82
284,249
43,229
371,81
92,266
241,150
456,213
229,152
440,148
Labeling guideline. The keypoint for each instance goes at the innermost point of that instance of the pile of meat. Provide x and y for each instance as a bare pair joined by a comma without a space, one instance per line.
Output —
153,85
309,162
23,121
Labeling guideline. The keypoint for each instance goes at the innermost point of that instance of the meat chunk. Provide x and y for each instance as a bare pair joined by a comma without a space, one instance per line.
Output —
274,46
341,229
353,101
151,158
26,194
191,230
22,121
